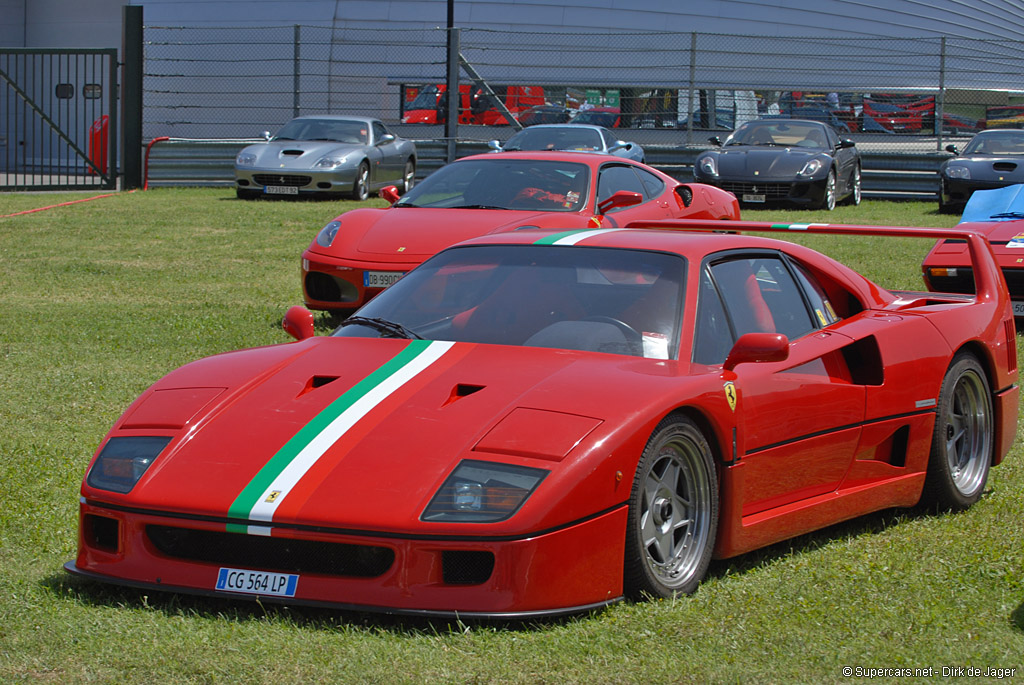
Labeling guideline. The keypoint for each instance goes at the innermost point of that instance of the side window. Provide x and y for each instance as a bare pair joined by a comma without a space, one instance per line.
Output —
760,295
378,131
652,184
713,337
618,177
817,296
833,139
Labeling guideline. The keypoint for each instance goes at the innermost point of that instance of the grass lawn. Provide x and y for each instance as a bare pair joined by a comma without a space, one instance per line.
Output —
99,299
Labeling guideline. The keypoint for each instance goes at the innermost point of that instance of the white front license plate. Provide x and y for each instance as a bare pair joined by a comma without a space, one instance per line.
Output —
257,582
281,190
1018,309
747,197
380,279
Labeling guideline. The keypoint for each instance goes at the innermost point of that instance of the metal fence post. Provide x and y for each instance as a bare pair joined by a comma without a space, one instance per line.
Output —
452,89
295,70
940,103
131,95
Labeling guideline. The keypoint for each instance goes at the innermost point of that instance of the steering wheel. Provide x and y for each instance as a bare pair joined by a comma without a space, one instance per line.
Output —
632,336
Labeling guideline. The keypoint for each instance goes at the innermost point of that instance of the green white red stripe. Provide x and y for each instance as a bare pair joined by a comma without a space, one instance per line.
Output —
797,227
261,497
573,237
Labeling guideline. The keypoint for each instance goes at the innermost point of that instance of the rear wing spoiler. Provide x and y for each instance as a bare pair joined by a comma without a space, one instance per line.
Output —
988,279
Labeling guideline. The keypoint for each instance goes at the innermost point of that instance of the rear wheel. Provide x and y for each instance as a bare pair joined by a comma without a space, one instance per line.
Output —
673,513
962,440
361,186
408,176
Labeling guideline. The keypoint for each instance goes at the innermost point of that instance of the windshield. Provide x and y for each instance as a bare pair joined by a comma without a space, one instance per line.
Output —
782,132
559,138
606,119
336,130
625,302
500,183
426,99
1001,143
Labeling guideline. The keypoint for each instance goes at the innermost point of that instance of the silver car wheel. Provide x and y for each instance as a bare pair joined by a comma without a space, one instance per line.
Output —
962,441
361,186
409,177
673,512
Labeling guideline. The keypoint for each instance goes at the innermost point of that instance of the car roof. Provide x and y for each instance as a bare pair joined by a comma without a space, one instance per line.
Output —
335,117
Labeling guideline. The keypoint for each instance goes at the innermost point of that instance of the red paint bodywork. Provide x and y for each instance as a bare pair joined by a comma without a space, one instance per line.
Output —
810,443
399,239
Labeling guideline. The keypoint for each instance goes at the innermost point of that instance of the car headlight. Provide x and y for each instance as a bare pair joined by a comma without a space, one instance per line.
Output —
708,166
245,159
957,171
812,167
330,162
483,492
123,460
327,234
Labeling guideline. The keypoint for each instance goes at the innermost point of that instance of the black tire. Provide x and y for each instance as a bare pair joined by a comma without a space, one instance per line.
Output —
855,187
408,176
962,442
361,186
243,194
828,200
673,513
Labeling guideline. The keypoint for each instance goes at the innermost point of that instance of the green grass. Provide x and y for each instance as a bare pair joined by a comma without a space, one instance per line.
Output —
100,298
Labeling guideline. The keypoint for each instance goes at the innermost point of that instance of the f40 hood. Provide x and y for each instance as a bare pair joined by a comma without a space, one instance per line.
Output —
360,433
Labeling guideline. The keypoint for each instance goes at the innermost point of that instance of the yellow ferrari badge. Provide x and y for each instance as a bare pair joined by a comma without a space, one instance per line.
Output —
273,496
730,394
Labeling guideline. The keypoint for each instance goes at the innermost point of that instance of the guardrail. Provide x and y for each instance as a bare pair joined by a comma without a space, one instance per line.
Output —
196,162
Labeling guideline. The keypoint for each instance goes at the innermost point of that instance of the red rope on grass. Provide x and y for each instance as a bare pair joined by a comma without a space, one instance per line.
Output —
62,204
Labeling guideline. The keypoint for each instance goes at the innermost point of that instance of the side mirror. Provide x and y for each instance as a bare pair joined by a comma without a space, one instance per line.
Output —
494,145
758,347
846,143
952,148
266,135
619,145
390,193
620,198
715,140
298,322
386,138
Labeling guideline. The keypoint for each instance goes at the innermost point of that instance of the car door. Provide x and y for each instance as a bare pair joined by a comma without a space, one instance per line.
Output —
799,420
389,163
614,177
846,159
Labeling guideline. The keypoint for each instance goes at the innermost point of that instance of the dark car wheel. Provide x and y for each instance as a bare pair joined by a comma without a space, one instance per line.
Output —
962,440
243,194
673,513
855,188
945,207
408,176
361,186
828,199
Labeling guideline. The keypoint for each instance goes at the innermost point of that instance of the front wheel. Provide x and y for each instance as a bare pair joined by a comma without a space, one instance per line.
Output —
962,440
361,186
673,513
828,200
855,190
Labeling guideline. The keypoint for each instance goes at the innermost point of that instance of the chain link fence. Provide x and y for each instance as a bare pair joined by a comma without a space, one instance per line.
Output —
674,89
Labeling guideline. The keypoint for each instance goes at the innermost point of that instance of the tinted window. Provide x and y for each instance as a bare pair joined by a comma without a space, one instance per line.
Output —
619,177
760,295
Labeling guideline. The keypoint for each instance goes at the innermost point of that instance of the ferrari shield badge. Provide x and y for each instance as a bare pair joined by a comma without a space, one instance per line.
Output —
730,394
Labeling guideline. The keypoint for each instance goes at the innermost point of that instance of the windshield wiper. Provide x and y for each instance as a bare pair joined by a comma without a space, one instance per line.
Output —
1008,215
390,329
477,207
405,204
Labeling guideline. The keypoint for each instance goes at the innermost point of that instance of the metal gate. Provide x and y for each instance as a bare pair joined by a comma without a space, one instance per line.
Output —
58,123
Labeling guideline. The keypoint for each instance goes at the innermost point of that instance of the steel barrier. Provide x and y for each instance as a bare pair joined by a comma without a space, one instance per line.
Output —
201,162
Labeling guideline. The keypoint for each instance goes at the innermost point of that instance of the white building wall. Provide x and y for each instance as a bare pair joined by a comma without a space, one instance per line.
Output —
97,23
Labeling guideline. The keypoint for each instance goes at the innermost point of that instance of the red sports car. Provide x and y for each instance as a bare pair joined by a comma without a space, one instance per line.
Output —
537,423
998,214
363,251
